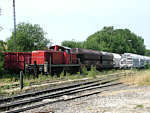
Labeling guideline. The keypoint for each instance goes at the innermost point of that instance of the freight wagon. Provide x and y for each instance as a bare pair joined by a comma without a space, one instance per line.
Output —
107,60
15,61
116,60
100,60
130,60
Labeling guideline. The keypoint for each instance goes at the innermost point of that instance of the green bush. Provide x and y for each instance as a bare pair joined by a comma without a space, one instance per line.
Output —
1,91
92,73
55,77
1,67
2,70
67,75
147,66
62,74
84,71
78,73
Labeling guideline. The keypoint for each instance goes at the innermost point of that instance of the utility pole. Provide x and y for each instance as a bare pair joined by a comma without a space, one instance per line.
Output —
0,15
0,11
14,13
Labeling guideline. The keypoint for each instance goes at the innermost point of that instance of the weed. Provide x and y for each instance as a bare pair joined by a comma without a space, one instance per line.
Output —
6,87
27,83
139,106
146,66
92,72
84,71
1,91
68,75
78,73
42,77
62,75
140,78
55,77
29,77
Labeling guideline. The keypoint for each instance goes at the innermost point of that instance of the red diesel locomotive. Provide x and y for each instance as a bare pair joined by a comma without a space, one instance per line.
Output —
56,59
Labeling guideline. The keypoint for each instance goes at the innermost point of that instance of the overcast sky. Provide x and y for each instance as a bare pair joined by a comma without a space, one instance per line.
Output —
77,19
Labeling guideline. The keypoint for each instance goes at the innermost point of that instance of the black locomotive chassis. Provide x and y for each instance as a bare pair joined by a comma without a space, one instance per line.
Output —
50,68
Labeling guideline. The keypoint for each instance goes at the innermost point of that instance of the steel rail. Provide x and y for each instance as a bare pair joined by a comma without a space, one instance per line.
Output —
13,98
76,88
61,100
56,94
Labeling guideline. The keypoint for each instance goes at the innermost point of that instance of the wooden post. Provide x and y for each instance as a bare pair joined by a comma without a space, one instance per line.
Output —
35,68
21,80
46,67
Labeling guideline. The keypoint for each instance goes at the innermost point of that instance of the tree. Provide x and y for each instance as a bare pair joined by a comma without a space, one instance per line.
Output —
3,46
112,40
116,40
147,52
28,37
2,49
72,44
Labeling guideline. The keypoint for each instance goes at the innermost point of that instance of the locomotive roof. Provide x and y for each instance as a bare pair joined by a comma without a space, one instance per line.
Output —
61,47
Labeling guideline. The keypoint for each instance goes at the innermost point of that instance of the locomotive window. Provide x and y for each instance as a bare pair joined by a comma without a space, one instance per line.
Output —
52,49
67,51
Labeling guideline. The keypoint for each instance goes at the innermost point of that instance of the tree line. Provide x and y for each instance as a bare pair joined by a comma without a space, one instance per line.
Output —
32,37
112,40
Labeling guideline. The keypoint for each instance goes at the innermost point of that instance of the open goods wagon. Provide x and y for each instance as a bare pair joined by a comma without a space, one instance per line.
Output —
88,57
100,60
15,61
107,60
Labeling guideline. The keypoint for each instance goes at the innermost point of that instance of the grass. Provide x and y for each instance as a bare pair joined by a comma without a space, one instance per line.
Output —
13,80
93,72
139,106
84,71
10,83
62,75
140,78
1,91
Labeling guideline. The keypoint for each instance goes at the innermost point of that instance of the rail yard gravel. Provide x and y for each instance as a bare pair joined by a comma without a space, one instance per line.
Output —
133,99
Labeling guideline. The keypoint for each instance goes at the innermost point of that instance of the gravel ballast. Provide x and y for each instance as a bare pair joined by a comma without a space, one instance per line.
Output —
131,99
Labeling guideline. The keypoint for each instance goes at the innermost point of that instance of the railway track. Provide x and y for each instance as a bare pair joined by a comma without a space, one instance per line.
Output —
56,93
9,99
